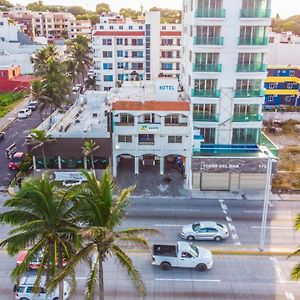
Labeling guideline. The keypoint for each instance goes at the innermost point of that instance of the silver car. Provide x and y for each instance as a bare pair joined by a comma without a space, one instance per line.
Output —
205,231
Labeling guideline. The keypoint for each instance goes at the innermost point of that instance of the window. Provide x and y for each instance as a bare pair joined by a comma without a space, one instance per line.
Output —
292,73
119,41
140,27
137,66
208,134
137,54
101,27
107,66
107,42
124,138
137,42
130,27
126,118
167,66
167,42
172,119
120,65
107,88
175,139
107,54
121,77
119,53
121,27
111,27
108,78
289,86
270,98
173,27
146,139
272,86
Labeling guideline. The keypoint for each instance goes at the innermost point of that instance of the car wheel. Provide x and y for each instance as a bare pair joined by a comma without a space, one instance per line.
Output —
218,239
190,238
166,266
56,298
201,267
24,299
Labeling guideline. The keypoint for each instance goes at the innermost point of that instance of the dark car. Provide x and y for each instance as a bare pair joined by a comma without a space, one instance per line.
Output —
2,135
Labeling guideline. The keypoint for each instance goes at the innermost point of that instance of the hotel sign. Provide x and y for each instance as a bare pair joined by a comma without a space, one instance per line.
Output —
230,165
145,128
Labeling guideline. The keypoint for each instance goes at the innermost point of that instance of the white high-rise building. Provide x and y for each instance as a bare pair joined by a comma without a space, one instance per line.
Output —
126,50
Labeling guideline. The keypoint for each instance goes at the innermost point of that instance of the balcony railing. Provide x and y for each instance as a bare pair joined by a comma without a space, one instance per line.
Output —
176,124
206,93
210,13
255,13
253,41
247,118
265,141
251,68
248,93
198,116
207,67
218,41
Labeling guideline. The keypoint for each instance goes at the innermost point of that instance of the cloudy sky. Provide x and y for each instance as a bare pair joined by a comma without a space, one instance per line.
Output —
285,8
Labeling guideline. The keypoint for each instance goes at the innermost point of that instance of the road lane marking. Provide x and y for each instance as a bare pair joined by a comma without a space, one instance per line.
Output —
231,227
187,280
237,244
234,236
273,227
289,296
228,219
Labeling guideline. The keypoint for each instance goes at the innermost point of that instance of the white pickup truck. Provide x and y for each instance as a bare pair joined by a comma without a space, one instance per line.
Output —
182,255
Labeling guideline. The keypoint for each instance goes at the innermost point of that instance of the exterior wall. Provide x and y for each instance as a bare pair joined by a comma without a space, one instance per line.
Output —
8,32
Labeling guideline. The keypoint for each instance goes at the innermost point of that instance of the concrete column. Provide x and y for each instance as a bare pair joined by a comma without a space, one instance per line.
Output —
34,162
115,165
188,172
162,165
59,162
136,165
85,162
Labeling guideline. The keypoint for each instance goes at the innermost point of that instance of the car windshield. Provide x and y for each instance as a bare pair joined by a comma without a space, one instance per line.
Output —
196,226
194,250
16,159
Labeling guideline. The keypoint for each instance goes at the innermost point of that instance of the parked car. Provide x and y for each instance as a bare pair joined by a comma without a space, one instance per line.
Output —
25,289
24,113
15,161
205,231
182,255
32,105
2,135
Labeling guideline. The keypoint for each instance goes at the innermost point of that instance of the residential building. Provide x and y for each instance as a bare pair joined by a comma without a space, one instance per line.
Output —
224,47
135,50
151,125
282,86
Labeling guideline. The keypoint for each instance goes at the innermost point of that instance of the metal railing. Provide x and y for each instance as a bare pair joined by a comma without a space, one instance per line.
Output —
207,67
218,41
210,13
247,118
198,116
255,13
265,141
248,93
251,68
253,41
206,93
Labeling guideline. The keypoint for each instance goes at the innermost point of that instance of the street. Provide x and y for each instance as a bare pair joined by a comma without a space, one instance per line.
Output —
232,277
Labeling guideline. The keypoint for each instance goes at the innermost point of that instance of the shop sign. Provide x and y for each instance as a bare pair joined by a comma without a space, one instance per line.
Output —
67,176
144,128
230,165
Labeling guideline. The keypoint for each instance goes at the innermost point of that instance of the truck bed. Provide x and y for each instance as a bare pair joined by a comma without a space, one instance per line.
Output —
164,250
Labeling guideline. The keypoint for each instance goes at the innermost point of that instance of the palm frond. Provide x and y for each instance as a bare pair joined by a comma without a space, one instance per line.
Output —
296,273
91,281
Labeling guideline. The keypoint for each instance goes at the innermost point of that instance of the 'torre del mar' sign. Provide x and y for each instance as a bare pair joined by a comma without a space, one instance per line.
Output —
230,165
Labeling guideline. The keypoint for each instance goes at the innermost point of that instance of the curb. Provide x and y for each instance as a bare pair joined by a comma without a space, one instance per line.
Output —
8,124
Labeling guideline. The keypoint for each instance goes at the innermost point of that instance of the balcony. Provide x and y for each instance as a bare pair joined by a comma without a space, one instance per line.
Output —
207,67
215,41
265,141
255,13
247,118
210,13
248,93
253,41
198,116
206,93
251,68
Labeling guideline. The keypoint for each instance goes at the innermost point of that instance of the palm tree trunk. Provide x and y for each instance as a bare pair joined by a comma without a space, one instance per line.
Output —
60,267
101,281
44,157
92,161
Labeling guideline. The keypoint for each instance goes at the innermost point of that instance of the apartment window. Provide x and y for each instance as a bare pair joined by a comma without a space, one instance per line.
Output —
107,88
111,27
178,42
191,31
140,27
248,84
130,27
206,58
246,109
119,53
292,73
205,84
120,65
173,27
137,42
167,66
137,66
107,66
124,138
245,136
137,54
250,58
190,55
121,27
126,118
208,135
270,98
204,110
272,86
289,86
167,42
119,41
175,139
107,54
172,119
101,27
146,139
164,27
107,42
121,77
108,78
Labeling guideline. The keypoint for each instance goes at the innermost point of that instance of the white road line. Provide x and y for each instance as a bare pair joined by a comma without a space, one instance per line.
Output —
237,244
273,227
228,219
224,206
289,296
221,201
168,225
234,236
277,268
231,227
187,280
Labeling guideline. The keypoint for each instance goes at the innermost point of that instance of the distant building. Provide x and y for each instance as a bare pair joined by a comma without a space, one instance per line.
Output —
12,81
282,86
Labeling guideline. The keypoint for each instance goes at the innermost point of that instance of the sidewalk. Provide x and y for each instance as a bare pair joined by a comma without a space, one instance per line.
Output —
8,119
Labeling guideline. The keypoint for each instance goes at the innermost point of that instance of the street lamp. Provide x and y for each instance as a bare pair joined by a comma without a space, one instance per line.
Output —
266,202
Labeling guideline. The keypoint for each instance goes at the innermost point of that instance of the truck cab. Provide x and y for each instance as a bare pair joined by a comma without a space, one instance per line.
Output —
182,255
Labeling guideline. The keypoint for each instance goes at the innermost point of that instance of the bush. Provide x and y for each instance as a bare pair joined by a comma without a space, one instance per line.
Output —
26,163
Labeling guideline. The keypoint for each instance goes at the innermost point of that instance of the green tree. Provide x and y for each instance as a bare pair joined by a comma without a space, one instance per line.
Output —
101,211
296,271
40,139
43,219
36,6
102,8
88,149
90,83
82,40
168,15
76,10
93,17
129,13
5,5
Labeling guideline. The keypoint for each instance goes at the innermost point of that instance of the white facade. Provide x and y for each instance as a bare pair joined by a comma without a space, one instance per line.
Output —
145,47
8,31
224,56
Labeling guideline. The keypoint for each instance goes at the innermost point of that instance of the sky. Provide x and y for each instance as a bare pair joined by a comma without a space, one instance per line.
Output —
285,8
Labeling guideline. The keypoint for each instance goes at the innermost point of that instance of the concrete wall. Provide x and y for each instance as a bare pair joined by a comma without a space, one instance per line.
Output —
282,116
283,54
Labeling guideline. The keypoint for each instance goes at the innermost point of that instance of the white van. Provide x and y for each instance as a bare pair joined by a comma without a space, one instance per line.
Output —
25,289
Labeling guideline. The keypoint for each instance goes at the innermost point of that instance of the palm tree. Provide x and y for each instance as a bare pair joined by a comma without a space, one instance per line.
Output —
100,211
89,147
90,83
296,271
71,70
40,138
43,220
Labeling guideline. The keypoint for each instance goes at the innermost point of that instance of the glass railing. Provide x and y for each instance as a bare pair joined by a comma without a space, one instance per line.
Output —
207,67
210,13
265,141
255,13
198,116
206,93
208,40
253,41
247,118
251,68
248,93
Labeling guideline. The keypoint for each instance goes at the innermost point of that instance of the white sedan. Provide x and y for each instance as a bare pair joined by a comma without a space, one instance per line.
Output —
205,231
24,113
